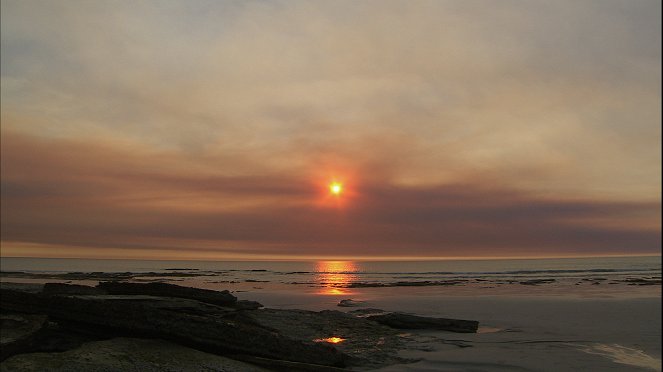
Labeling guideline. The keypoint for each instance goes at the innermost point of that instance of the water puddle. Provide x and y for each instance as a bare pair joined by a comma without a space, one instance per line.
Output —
624,355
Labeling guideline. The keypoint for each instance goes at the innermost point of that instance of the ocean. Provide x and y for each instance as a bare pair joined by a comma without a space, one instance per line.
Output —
534,314
340,277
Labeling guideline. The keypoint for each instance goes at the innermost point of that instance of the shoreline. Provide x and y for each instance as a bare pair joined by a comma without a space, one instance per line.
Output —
535,316
535,333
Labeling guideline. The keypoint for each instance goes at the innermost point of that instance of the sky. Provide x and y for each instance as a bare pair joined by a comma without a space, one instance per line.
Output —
212,129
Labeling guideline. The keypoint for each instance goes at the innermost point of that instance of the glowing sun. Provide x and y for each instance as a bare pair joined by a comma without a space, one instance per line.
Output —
335,188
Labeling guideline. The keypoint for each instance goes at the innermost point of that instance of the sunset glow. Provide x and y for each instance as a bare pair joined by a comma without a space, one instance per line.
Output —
331,340
261,129
336,188
334,276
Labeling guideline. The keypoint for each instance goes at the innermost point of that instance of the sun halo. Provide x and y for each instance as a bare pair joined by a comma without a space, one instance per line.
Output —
335,188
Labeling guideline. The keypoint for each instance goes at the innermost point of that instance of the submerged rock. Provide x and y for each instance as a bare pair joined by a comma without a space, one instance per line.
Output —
424,283
366,312
407,321
642,281
537,281
350,303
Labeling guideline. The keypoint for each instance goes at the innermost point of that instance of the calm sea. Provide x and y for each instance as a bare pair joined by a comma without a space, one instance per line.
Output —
311,272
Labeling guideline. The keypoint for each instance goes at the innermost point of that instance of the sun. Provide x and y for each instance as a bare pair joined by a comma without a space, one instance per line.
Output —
336,188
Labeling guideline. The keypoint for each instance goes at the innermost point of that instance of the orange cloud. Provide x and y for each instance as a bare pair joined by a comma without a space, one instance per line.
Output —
105,198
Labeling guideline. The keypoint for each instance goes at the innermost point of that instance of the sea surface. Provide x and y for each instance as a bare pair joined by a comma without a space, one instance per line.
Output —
609,274
572,314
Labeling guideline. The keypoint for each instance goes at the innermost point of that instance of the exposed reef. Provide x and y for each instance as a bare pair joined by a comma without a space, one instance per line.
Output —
190,321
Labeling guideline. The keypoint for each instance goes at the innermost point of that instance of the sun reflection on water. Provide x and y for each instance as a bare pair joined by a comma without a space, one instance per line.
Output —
331,340
334,276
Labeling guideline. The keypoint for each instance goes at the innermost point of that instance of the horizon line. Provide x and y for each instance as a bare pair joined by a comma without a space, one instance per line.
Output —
355,258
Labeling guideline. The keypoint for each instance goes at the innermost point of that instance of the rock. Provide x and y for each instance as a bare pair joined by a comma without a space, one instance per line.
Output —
247,305
350,303
286,366
366,312
537,281
74,289
19,333
23,287
127,354
642,281
370,345
222,298
366,285
407,321
213,328
424,283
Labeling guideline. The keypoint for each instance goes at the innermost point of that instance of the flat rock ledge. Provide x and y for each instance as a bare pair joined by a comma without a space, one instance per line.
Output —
407,321
112,315
129,355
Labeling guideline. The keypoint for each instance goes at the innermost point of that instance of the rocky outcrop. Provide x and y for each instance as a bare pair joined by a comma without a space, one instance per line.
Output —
407,321
246,305
19,333
208,327
221,298
128,355
369,344
424,283
642,281
282,340
350,303
70,289
537,281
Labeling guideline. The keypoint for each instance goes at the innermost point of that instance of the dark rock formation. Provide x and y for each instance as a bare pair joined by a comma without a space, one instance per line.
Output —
281,340
207,327
366,312
222,298
127,355
407,321
642,281
72,289
246,305
537,281
424,283
350,303
285,365
369,344
19,333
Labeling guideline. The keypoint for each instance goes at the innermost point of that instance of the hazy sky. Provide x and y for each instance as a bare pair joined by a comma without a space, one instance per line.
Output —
211,129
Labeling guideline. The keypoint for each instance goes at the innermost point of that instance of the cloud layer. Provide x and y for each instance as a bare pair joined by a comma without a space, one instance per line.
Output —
528,128
78,195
